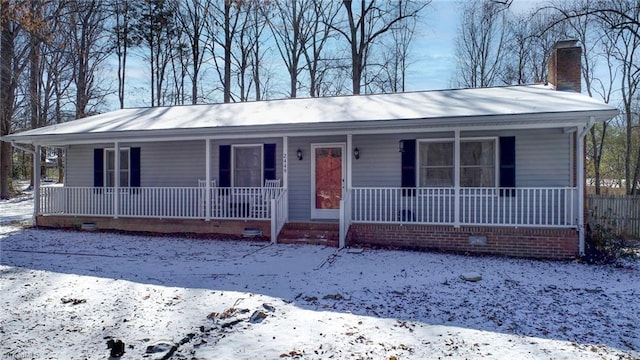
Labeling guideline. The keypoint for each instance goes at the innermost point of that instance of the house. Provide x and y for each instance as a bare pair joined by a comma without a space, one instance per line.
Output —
494,170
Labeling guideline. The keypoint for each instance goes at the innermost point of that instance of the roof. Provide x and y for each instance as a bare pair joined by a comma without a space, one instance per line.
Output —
459,107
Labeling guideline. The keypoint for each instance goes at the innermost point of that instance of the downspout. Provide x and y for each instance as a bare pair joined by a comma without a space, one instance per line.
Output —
207,192
36,178
580,170
456,179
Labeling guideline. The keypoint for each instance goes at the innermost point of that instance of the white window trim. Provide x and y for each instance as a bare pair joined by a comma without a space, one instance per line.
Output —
496,155
233,161
431,140
106,166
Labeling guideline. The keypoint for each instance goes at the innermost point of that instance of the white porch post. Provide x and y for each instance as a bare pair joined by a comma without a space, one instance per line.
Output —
285,175
456,178
349,162
345,210
116,179
207,166
36,184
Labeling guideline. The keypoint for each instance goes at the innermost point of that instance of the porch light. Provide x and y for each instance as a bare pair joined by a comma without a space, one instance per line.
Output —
401,146
356,153
299,154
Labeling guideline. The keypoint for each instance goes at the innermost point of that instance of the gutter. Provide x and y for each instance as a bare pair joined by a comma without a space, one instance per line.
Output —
13,143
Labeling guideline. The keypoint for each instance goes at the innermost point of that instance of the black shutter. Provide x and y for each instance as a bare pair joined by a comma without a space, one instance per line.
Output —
134,161
98,167
408,175
224,171
269,161
507,164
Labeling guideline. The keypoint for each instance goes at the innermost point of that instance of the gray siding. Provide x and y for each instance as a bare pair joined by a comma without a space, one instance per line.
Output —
543,158
79,171
380,158
176,163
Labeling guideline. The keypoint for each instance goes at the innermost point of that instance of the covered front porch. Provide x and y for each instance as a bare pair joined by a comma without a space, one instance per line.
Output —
551,207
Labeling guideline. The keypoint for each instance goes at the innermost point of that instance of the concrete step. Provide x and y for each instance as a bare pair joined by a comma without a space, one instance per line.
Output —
315,233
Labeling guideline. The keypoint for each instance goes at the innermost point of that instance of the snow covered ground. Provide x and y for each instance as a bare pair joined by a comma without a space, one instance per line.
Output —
64,294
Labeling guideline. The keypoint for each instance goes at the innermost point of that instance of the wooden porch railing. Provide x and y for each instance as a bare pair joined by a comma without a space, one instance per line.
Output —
279,214
539,207
159,202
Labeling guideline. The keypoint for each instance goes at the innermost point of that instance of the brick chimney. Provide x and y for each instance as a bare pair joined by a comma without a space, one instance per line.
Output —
565,66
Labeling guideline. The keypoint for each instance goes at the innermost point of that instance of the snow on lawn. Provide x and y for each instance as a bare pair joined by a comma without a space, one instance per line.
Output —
65,293
17,210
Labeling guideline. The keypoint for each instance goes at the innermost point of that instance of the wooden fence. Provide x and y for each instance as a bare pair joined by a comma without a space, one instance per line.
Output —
619,212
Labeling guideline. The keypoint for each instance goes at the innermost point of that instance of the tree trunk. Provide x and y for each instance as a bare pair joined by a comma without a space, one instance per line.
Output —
227,53
6,101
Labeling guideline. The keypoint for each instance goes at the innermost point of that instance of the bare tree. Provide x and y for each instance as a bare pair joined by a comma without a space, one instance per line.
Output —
229,12
292,29
322,16
365,23
394,58
192,18
90,46
593,35
155,30
480,44
10,68
122,38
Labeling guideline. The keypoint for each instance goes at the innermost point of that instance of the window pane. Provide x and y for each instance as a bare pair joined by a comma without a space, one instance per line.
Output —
477,176
477,152
477,167
109,181
247,166
124,178
436,154
124,159
111,170
436,164
436,177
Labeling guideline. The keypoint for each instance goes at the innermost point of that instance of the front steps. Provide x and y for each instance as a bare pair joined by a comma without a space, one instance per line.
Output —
313,233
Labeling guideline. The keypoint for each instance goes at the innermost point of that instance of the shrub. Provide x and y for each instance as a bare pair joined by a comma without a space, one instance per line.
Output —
603,246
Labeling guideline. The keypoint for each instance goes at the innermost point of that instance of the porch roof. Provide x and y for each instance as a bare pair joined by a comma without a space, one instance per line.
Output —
510,106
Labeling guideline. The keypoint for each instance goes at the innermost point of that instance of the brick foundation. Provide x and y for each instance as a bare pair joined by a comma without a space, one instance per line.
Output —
541,243
221,228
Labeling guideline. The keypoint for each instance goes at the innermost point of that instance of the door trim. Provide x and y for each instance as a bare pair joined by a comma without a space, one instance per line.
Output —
326,214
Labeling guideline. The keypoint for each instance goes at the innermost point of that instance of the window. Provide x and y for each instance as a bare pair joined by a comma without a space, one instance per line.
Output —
436,164
477,163
110,170
247,165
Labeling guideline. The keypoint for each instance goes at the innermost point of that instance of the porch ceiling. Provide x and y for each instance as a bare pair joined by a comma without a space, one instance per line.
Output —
500,107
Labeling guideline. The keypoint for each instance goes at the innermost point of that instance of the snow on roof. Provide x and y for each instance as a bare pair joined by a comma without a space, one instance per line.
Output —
339,110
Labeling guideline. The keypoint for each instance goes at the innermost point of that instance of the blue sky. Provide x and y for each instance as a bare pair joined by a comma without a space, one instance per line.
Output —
433,55
434,48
